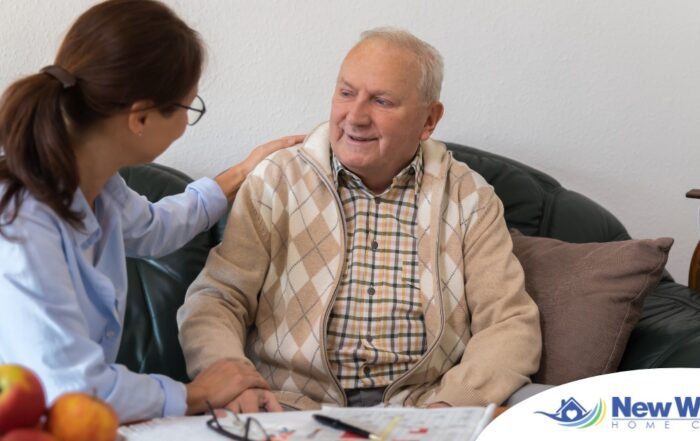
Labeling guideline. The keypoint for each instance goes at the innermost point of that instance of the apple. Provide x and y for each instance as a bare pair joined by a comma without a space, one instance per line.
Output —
77,416
27,435
22,399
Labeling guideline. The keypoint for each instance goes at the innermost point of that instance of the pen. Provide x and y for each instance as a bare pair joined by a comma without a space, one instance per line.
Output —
340,425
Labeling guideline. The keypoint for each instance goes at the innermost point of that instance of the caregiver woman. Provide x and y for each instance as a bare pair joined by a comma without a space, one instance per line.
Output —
123,87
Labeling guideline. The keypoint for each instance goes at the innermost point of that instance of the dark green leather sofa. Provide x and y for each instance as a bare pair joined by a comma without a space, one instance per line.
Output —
667,335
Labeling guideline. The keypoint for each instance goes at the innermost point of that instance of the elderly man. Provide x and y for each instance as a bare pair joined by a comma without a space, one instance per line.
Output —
367,265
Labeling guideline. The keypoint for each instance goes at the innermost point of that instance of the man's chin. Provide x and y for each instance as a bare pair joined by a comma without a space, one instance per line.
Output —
356,167
359,166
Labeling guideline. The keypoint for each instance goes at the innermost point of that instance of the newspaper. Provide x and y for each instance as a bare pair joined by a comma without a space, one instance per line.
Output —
388,423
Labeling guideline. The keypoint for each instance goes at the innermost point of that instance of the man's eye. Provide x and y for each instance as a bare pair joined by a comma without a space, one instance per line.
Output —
344,93
382,102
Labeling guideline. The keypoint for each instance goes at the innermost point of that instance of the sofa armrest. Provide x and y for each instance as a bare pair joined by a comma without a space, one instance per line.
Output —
668,333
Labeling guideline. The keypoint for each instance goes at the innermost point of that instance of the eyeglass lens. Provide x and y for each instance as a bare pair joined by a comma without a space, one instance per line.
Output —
252,429
195,111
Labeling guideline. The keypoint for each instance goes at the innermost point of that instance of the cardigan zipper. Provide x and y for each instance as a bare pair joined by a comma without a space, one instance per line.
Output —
436,272
326,314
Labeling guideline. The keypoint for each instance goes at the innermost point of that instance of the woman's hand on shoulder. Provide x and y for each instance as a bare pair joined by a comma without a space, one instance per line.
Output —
231,179
263,151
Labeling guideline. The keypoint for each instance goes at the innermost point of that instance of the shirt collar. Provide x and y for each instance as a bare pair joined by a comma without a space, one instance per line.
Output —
87,233
415,167
90,230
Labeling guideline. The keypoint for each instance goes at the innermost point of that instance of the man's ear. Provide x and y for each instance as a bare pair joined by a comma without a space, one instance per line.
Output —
139,113
435,112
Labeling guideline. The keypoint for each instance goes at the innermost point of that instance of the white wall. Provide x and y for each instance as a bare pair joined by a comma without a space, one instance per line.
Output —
602,94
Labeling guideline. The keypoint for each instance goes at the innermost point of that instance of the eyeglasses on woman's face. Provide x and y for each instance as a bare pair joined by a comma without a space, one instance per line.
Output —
195,111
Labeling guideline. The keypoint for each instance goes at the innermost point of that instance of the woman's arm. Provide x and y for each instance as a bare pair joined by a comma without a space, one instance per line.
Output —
63,332
156,229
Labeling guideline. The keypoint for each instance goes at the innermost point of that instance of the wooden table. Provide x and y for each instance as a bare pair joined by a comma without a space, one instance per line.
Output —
694,270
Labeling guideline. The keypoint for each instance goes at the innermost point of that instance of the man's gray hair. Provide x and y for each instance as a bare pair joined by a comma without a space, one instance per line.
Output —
429,59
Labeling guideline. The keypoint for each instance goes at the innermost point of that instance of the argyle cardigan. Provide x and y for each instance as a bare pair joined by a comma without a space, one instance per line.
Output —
266,292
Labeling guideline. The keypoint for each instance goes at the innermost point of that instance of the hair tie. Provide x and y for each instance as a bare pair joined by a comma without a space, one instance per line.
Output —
66,78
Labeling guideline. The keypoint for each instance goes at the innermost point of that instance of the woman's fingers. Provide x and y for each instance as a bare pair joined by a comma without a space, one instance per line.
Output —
271,404
262,151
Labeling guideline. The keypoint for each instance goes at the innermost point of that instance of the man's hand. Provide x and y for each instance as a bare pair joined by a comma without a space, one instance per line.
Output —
220,383
255,400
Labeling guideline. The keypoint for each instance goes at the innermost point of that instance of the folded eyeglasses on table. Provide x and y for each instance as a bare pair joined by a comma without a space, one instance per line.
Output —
249,429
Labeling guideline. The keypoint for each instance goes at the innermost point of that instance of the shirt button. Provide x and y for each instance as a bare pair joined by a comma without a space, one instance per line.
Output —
377,200
375,245
370,291
109,334
369,338
366,370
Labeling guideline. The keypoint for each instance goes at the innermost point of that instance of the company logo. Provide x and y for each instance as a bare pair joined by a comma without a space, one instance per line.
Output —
633,414
572,414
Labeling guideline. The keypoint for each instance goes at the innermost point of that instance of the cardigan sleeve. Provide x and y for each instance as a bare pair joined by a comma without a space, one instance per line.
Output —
222,302
505,344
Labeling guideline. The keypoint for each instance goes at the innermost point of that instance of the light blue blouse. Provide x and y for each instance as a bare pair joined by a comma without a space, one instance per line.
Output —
63,290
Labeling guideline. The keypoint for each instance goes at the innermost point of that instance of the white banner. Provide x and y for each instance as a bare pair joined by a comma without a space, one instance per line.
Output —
650,404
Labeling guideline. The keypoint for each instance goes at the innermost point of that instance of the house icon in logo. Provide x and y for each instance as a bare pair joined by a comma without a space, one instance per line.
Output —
572,414
569,411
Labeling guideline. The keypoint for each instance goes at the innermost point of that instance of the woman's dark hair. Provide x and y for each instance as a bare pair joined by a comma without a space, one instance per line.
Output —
119,51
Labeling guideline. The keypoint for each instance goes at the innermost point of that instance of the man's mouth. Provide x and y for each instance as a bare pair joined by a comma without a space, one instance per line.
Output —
360,138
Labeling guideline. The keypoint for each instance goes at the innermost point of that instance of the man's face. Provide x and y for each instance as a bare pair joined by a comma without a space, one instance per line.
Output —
377,115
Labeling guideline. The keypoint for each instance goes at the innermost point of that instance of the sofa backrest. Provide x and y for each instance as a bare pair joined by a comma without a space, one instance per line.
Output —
537,205
534,202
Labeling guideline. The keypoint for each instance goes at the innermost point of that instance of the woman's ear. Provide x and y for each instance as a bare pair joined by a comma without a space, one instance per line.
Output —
139,113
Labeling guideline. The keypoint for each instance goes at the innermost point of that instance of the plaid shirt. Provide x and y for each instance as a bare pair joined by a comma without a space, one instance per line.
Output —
376,330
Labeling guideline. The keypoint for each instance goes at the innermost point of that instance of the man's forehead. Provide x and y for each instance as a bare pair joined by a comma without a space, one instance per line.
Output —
379,63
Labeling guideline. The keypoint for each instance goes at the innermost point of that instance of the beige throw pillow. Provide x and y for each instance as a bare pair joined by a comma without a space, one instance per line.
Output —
590,297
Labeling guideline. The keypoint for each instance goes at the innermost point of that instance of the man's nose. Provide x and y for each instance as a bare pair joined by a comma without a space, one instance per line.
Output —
358,114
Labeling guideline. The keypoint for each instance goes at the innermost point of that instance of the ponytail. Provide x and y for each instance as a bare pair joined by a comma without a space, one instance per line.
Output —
116,53
36,153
